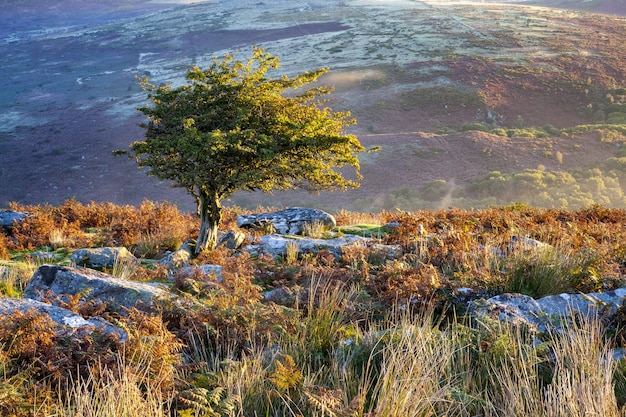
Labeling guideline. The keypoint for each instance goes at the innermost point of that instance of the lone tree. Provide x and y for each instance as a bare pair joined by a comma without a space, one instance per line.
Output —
230,128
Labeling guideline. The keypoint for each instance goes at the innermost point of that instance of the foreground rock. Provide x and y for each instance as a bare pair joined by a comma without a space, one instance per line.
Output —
9,217
290,221
93,285
547,313
69,323
277,245
101,257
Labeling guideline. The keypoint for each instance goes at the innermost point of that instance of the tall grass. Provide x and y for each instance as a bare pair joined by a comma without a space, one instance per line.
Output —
584,366
416,374
124,392
406,365
15,278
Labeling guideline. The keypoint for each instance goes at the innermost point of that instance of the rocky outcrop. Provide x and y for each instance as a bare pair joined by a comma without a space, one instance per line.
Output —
276,245
101,257
9,217
547,313
290,221
92,285
69,323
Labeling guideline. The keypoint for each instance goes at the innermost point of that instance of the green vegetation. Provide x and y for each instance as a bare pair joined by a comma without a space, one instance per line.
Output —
354,336
230,128
542,188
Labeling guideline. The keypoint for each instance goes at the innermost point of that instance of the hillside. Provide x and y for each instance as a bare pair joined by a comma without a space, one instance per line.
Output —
452,91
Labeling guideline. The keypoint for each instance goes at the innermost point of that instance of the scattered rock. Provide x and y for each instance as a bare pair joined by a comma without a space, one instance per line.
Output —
526,243
290,221
385,252
232,239
43,256
100,257
276,245
281,295
180,256
70,324
549,312
9,217
206,269
93,285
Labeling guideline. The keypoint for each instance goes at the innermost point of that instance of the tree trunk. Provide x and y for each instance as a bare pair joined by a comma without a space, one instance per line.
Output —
210,211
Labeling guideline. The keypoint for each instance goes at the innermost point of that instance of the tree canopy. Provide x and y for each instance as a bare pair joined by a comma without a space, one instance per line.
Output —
230,127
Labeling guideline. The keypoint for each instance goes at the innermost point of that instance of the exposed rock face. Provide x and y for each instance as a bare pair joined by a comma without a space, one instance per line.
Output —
93,284
547,313
100,257
8,217
69,323
287,222
276,245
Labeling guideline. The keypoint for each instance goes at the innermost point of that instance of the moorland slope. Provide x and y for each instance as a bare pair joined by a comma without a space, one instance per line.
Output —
452,91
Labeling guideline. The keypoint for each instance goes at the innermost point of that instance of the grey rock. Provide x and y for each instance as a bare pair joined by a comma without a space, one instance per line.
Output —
386,252
290,221
69,323
525,243
100,257
180,257
281,295
276,245
207,269
43,256
232,239
547,313
9,217
93,284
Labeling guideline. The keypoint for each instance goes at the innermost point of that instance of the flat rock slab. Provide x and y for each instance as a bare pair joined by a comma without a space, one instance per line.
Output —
93,284
290,221
69,323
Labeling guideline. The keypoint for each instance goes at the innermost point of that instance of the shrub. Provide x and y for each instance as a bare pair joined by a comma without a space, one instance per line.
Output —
475,126
4,246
